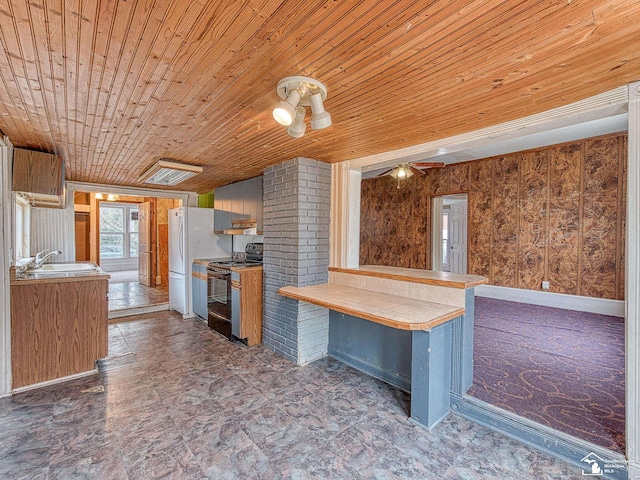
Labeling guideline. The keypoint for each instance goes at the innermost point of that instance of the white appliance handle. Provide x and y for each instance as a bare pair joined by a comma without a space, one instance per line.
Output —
181,239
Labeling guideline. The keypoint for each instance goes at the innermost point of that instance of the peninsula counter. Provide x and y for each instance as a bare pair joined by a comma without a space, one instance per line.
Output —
411,328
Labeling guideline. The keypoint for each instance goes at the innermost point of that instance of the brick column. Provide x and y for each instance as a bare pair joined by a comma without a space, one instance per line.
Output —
296,210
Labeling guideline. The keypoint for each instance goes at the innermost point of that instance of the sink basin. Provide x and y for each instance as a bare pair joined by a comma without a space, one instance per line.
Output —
53,268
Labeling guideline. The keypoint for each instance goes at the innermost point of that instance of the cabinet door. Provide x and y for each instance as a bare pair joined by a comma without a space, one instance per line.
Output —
250,199
199,290
222,205
194,288
237,206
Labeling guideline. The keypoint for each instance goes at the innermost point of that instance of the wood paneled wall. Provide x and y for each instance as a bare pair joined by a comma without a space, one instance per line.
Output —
162,210
555,214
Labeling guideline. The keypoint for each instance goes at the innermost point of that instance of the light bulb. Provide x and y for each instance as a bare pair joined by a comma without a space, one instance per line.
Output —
285,111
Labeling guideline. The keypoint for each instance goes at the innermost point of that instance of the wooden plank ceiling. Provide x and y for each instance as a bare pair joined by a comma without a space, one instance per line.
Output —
112,86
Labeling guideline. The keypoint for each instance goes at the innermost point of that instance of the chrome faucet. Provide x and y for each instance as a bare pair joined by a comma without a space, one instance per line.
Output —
42,256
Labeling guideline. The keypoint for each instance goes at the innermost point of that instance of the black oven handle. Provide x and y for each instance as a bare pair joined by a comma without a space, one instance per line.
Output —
218,274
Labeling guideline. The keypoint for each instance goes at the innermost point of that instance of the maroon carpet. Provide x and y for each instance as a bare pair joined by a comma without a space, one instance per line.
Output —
561,368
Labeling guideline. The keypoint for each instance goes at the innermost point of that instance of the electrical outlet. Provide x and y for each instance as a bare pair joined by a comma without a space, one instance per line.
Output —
545,285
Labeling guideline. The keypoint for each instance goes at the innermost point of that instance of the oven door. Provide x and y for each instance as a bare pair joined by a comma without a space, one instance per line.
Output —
219,301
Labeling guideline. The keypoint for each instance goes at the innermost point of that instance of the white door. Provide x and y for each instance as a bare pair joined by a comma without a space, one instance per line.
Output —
144,244
458,237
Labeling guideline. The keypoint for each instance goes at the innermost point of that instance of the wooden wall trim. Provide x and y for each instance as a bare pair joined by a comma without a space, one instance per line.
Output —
632,282
6,252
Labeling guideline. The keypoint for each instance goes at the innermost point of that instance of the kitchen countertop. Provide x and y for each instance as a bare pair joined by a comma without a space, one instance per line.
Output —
205,261
236,268
430,277
59,276
391,310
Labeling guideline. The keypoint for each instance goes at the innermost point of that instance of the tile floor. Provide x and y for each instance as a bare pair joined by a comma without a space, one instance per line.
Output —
176,400
128,295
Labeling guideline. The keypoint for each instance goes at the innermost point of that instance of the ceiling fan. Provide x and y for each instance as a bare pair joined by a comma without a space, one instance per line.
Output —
402,171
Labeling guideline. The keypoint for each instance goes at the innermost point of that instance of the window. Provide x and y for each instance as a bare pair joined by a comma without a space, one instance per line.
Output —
22,228
118,231
445,237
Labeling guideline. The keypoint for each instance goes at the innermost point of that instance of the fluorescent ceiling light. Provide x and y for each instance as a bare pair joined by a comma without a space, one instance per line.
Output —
169,173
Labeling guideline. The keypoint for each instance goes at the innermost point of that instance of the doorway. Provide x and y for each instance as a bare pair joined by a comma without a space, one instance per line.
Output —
127,236
449,233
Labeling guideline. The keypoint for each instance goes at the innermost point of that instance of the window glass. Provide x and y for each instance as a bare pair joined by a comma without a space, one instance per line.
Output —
111,245
133,244
118,231
111,219
19,230
445,237
133,220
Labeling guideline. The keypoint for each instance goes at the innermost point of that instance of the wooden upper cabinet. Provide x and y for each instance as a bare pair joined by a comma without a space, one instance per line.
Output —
37,172
39,175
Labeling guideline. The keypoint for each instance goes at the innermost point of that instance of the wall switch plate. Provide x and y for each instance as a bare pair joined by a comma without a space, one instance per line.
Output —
545,285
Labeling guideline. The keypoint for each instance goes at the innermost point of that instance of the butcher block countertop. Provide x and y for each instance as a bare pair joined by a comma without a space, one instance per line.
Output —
391,310
429,277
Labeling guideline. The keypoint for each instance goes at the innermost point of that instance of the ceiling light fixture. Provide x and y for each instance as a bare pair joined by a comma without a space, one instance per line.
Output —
168,173
401,172
298,127
297,93
99,196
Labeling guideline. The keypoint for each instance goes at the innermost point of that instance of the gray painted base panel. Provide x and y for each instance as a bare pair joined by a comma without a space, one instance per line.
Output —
358,364
552,442
378,350
430,375
415,361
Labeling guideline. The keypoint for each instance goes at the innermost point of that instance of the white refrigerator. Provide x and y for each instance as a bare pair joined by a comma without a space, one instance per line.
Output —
190,236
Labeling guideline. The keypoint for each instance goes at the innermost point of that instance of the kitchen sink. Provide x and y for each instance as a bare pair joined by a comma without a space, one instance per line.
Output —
53,268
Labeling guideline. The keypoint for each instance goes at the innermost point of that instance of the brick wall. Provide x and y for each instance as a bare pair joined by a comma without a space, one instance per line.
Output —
296,205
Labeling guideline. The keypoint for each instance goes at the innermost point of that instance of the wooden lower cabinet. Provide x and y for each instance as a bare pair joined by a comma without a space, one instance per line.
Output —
247,295
58,329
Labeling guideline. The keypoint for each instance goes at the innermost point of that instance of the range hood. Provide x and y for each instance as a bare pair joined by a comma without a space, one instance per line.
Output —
243,227
39,177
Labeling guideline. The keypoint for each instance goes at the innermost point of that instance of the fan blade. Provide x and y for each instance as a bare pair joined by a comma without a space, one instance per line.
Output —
429,164
385,173
417,171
